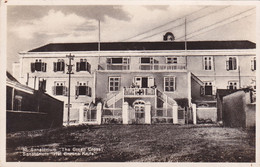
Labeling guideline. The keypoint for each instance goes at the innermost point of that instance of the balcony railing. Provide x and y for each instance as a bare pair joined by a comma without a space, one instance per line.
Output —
162,67
139,91
117,66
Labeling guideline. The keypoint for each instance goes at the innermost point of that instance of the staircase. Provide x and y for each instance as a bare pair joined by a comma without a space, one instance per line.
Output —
166,99
115,98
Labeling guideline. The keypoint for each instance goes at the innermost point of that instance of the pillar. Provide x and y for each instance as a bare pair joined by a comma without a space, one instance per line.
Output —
125,113
175,114
147,113
194,113
99,107
81,114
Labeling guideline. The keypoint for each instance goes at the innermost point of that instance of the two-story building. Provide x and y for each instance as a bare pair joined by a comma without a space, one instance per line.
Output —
138,82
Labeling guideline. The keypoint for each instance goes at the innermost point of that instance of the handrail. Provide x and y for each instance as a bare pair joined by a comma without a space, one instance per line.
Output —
139,91
115,98
165,98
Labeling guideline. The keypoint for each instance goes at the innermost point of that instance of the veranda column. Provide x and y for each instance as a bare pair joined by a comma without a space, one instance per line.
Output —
194,113
81,114
125,113
147,113
99,107
175,114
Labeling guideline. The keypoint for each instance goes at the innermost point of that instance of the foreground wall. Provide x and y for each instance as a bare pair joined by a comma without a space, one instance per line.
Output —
37,111
238,111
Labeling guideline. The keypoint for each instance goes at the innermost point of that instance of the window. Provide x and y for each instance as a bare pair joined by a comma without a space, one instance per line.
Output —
59,65
114,83
231,63
18,103
171,60
207,63
169,84
148,60
42,84
207,89
232,85
118,63
38,65
83,89
60,88
147,63
83,65
253,64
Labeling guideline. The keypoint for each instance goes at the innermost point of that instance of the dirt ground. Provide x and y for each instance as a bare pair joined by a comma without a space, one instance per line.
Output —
139,143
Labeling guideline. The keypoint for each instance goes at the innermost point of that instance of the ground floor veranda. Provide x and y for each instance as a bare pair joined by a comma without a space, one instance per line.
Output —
140,112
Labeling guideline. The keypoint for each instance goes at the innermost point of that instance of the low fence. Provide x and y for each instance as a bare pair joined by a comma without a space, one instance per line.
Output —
112,116
162,115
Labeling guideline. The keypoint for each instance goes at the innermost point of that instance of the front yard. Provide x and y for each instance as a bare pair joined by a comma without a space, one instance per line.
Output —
139,143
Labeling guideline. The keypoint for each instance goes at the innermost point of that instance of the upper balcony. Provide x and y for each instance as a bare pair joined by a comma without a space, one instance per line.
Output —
143,63
166,67
143,67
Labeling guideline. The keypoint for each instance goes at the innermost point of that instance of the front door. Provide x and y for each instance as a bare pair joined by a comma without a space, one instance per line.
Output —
144,82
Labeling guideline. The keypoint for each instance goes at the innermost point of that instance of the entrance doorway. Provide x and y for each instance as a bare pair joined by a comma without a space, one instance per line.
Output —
144,82
139,108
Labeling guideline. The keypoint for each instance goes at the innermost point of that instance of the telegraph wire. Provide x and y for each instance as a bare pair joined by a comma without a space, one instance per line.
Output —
188,36
164,24
184,23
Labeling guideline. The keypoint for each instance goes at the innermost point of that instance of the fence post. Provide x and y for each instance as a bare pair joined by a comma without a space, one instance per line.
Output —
175,114
81,114
194,113
147,114
125,113
99,107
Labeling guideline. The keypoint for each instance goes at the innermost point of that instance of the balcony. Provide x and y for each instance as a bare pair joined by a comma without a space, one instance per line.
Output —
117,66
139,92
166,67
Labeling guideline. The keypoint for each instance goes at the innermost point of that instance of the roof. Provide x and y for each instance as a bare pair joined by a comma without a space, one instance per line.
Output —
10,77
126,46
12,82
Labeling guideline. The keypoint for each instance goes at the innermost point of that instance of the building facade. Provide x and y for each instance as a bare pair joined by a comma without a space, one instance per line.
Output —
138,82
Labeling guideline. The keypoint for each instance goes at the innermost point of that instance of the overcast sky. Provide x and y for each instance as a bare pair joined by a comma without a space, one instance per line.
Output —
33,26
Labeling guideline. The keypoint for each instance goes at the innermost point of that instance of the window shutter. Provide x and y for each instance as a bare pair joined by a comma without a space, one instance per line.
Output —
54,66
89,91
78,66
44,85
109,61
227,65
43,67
63,66
235,63
33,67
175,86
54,90
77,90
252,65
202,90
88,67
150,82
65,91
